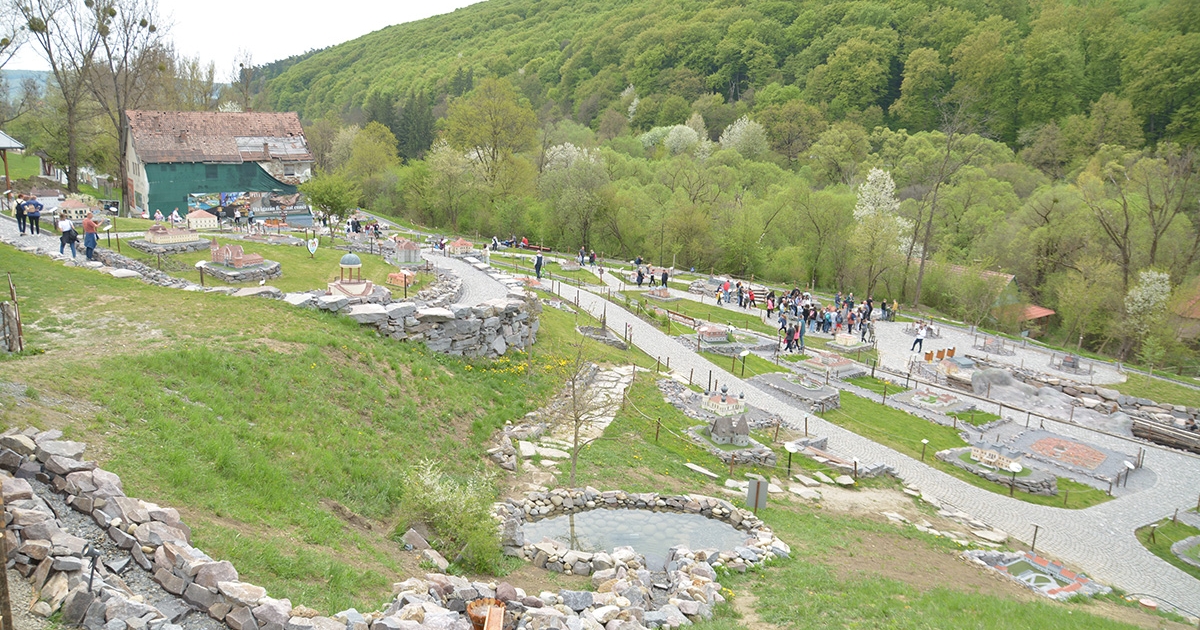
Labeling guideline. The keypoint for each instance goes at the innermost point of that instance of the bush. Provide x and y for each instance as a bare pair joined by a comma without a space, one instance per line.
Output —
458,514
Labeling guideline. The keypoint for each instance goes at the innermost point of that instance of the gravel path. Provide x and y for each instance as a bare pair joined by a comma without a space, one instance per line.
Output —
1098,540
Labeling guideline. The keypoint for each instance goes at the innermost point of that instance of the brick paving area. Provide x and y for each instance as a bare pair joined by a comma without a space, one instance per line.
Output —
1098,540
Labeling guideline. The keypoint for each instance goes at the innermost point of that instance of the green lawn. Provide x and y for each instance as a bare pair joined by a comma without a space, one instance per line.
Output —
1165,535
255,418
975,417
754,364
1158,390
814,590
876,385
23,166
904,432
300,271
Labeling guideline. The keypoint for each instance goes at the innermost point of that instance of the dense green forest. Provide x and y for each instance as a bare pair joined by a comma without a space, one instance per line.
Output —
898,149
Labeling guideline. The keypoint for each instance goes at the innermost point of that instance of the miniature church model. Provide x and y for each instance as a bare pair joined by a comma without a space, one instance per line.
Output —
726,428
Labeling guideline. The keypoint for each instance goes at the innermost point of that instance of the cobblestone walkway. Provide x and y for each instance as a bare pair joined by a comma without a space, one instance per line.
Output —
1098,540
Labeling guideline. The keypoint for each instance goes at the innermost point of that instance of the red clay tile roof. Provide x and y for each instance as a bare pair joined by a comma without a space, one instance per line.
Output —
1033,311
217,136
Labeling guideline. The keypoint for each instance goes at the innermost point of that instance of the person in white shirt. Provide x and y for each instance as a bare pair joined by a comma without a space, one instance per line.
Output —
68,235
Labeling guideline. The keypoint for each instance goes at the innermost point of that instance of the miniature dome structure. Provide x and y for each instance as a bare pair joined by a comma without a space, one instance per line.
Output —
351,268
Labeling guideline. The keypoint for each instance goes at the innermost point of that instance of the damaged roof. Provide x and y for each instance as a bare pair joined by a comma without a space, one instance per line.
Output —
227,137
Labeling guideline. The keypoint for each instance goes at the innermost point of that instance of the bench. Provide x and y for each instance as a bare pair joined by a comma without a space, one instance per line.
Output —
683,319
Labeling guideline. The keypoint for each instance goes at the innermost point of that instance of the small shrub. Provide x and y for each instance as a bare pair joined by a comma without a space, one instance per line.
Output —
458,512
31,393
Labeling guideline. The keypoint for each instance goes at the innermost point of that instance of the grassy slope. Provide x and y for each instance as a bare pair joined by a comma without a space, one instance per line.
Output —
268,426
1159,390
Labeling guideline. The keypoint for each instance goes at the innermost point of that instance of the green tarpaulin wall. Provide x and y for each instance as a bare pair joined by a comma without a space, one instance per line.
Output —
170,184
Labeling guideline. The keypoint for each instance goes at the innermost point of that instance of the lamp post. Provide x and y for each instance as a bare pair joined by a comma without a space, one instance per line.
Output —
744,354
1013,468
200,266
1033,545
924,443
790,447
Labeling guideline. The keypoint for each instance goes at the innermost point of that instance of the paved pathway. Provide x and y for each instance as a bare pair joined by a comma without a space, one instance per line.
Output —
477,286
1098,540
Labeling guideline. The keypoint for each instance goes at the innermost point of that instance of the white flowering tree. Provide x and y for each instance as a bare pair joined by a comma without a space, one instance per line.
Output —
574,182
681,139
745,136
1145,306
879,231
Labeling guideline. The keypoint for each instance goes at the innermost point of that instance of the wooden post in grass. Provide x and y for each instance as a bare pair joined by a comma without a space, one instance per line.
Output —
710,389
777,423
657,364
733,364
657,427
731,466
884,394
805,426
1066,496
1175,519
668,364
690,371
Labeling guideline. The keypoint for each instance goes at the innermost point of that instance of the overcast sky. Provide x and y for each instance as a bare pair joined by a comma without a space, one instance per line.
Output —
270,29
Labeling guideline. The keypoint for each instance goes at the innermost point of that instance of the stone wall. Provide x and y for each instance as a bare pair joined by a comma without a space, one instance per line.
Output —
268,270
1036,482
489,329
37,467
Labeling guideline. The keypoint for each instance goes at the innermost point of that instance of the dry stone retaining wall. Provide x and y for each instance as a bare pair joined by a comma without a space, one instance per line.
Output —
627,596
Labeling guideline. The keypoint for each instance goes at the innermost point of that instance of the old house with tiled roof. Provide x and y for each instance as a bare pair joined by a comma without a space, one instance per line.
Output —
174,156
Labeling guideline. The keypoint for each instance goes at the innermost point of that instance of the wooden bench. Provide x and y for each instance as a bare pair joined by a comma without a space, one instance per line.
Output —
683,319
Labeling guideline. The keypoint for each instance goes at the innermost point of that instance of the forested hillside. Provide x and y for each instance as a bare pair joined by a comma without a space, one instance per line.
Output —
1050,140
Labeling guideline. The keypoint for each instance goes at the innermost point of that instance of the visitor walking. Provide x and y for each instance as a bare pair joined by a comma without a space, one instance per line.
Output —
33,214
640,274
90,238
664,278
918,344
537,265
67,235
19,211
237,219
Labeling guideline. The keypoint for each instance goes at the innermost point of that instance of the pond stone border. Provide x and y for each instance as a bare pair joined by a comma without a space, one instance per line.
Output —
553,556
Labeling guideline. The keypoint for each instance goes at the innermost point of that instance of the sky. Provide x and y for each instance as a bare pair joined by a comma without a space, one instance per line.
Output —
270,29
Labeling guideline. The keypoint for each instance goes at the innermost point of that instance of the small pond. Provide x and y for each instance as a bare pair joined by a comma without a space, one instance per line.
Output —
650,533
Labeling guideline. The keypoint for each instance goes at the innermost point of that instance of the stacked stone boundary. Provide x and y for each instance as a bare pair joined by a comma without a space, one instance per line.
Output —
158,542
1180,550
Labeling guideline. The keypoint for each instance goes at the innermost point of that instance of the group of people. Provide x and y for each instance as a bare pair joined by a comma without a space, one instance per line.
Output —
68,237
29,214
800,312
744,294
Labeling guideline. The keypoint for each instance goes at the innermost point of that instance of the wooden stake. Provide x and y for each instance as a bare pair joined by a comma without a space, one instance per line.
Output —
657,427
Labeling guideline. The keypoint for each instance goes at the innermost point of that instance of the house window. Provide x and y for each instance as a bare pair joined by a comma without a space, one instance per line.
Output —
289,170
210,171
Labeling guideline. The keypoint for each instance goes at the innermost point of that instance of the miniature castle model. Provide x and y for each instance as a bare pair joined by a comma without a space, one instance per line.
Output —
994,455
350,282
402,278
160,234
723,404
232,255
460,247
201,220
407,252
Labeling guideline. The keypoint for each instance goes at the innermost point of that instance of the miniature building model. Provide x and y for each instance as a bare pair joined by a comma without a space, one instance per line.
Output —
714,333
723,404
201,220
350,282
160,234
727,430
994,455
407,252
460,247
75,209
402,278
232,256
